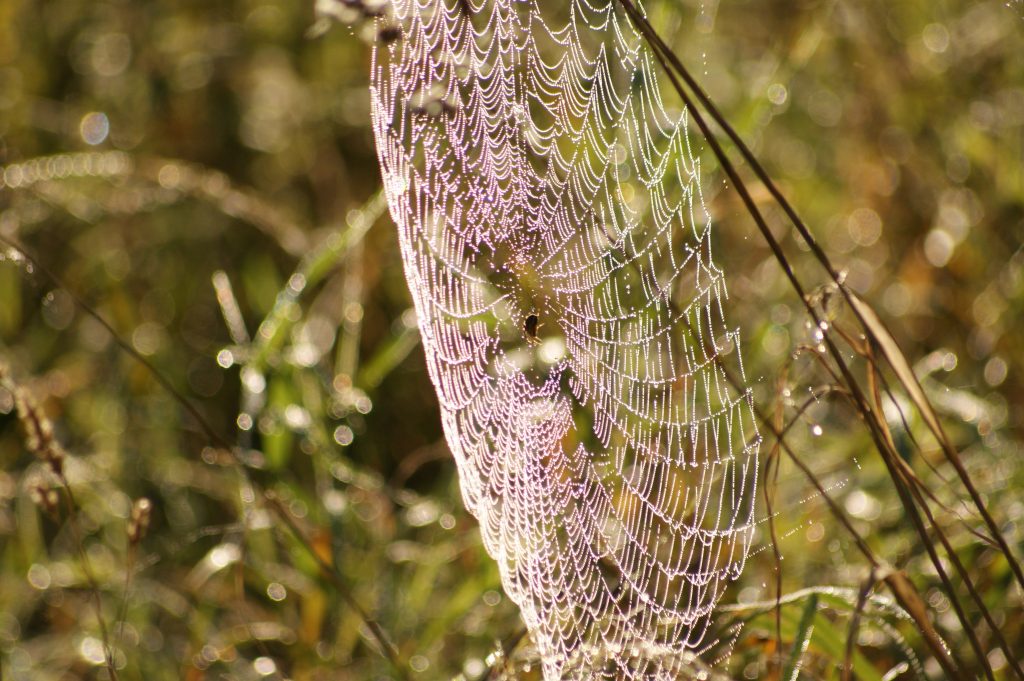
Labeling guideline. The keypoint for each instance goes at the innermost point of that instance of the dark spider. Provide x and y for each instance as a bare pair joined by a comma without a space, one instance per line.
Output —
390,34
530,327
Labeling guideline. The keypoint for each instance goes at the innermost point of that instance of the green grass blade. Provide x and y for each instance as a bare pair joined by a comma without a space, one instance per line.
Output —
803,637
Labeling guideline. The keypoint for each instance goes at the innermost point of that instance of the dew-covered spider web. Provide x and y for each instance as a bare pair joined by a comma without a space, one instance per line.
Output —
559,254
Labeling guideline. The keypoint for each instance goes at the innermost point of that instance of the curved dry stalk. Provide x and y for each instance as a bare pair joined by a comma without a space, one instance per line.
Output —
870,322
862,601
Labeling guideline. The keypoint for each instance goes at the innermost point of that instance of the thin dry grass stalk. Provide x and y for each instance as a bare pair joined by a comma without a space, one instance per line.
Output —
878,336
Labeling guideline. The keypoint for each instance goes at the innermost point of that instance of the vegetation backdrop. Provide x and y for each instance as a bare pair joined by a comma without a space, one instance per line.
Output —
201,178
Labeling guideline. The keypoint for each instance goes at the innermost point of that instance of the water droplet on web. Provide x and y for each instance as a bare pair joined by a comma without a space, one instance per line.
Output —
816,430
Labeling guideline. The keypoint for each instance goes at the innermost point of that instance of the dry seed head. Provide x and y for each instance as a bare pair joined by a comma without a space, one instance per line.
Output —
39,437
142,509
45,497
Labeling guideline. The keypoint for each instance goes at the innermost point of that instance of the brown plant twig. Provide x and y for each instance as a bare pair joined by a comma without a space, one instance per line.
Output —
964,575
873,326
899,365
865,315
862,601
769,484
901,587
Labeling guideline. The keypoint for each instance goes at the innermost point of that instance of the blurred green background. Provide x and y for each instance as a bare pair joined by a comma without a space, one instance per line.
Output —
203,175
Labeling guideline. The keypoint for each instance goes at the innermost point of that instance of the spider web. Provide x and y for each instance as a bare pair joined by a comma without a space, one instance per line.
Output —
558,252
